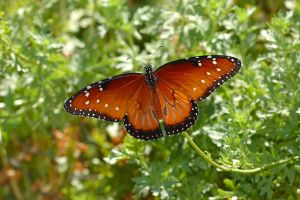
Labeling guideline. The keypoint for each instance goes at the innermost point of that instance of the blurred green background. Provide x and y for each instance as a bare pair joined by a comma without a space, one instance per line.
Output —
49,49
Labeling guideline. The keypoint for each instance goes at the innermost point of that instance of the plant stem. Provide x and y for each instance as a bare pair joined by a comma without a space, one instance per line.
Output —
232,169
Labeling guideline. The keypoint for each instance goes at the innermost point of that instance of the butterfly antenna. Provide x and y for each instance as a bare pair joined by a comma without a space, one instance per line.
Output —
154,54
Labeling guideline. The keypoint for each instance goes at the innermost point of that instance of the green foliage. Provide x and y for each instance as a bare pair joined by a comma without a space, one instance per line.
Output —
50,49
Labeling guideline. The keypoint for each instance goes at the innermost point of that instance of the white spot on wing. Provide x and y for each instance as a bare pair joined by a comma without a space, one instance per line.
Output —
209,56
87,94
87,102
203,81
106,105
97,100
194,89
117,108
214,62
218,69
208,73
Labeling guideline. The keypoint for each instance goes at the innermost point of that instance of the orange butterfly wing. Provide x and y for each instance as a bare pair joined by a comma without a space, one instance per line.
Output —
124,97
198,77
105,99
183,82
142,119
178,110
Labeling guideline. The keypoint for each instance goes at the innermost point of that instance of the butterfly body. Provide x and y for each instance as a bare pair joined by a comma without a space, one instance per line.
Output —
150,76
169,93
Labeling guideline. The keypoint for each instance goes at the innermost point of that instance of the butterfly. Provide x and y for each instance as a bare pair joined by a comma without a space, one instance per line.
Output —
169,93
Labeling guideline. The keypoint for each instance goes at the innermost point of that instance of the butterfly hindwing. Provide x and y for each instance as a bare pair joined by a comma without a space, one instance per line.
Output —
142,119
179,111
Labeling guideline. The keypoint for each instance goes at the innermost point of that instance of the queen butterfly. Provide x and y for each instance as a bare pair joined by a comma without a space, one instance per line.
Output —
169,93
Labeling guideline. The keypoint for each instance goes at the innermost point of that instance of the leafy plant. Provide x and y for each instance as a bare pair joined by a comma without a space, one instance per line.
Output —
49,49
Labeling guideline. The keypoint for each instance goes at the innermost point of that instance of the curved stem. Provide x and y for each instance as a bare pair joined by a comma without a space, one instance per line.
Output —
228,169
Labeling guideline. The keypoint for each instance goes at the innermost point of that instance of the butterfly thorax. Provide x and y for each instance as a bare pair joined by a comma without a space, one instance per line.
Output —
150,76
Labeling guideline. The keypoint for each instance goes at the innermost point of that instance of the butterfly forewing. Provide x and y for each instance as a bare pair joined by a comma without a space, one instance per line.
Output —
107,99
197,77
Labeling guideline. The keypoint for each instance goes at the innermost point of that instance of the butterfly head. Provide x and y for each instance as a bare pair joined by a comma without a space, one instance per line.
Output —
148,69
149,75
